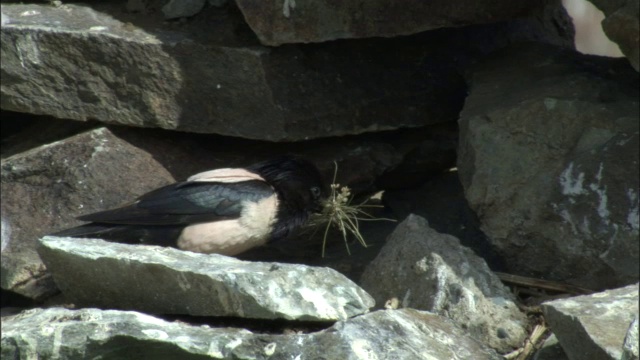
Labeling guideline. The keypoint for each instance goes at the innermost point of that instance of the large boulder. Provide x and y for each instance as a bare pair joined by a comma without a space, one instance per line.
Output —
216,78
550,164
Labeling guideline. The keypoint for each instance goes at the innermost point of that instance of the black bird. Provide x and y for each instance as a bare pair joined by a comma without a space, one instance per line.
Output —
224,211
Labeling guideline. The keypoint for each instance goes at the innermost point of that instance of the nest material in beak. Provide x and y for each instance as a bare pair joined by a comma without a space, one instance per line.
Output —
337,211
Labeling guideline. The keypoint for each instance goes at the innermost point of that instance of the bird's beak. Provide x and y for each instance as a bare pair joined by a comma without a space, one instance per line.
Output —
318,206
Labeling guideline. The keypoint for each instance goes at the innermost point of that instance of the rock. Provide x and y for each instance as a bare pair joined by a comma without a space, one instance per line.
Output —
211,76
93,333
277,22
563,202
44,187
30,132
630,346
442,203
593,326
622,24
427,270
94,272
551,350
182,8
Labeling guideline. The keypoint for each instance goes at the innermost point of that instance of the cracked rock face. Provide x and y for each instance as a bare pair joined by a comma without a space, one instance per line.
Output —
430,271
93,272
43,188
549,163
90,333
596,326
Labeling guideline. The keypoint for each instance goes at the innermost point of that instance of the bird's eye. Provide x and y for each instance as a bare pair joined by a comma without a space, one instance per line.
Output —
315,192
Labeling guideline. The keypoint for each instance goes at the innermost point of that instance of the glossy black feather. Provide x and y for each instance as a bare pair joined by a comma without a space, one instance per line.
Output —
165,235
186,203
300,188
160,216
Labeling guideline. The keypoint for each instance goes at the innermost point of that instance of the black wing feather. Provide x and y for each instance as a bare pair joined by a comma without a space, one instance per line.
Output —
186,203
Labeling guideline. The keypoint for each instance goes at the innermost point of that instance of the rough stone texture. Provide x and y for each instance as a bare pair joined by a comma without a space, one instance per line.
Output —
43,188
279,22
134,70
92,333
549,163
427,270
98,273
593,326
630,347
622,26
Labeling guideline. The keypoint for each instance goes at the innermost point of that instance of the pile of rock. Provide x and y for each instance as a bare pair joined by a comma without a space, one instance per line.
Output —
497,145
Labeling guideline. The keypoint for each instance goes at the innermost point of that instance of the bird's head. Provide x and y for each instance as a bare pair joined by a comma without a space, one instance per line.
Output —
300,186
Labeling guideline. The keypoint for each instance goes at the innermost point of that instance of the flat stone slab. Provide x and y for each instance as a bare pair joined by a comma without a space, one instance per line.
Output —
93,272
92,333
594,326
278,22
211,75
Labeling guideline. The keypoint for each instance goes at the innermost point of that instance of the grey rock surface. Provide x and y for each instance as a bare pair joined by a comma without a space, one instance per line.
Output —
93,272
630,349
279,22
441,201
549,163
91,333
43,188
182,8
593,326
427,270
121,68
622,25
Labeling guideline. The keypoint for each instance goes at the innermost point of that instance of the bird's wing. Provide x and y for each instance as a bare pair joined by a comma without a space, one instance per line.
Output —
186,203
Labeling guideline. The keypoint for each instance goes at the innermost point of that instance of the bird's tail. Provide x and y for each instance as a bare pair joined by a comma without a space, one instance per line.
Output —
166,235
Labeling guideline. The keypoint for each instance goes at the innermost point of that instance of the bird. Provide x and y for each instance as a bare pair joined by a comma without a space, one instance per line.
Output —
224,211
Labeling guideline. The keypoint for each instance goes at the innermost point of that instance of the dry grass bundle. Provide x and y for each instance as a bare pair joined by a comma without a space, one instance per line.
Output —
339,212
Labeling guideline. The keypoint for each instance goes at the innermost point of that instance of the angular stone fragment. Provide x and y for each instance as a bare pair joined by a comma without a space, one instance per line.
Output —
92,333
549,163
594,326
43,188
426,270
93,272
